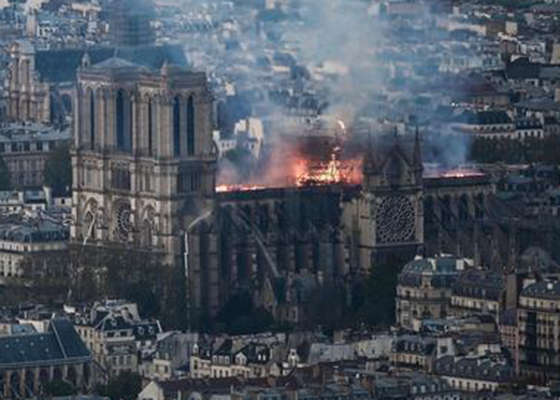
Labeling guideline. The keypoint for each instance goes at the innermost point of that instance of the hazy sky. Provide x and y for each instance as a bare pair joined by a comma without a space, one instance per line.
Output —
28,5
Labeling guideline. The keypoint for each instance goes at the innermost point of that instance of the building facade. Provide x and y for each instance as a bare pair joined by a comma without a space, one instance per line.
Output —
478,291
538,322
424,288
25,148
116,336
27,248
29,361
143,157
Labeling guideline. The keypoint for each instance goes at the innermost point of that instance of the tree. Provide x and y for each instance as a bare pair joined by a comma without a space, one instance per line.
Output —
58,388
5,178
125,386
373,299
58,170
239,316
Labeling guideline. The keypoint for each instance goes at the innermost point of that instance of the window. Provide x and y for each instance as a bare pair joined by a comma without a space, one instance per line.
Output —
123,141
190,127
120,179
26,146
176,127
91,120
188,182
150,128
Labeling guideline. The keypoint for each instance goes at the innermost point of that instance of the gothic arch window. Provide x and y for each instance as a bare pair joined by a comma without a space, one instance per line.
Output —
150,128
130,121
121,141
176,126
147,233
67,104
429,212
43,376
72,376
446,211
190,127
91,98
57,374
464,208
394,171
479,206
90,225
87,374
15,384
29,383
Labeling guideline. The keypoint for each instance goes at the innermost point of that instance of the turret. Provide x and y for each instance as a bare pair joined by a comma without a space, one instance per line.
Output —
370,167
417,155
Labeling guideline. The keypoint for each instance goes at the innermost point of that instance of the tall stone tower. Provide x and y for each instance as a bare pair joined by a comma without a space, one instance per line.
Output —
28,97
143,157
130,23
390,211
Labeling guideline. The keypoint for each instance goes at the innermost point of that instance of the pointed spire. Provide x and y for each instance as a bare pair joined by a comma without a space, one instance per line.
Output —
165,68
86,60
370,164
417,156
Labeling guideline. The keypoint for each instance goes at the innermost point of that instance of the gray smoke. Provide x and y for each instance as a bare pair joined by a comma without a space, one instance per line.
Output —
359,63
338,42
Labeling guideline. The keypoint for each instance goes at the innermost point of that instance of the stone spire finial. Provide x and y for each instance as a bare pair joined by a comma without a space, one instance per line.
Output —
86,60
417,156
370,163
165,68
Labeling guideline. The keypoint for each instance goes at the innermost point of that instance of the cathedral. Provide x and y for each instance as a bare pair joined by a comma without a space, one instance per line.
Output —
143,156
144,176
144,182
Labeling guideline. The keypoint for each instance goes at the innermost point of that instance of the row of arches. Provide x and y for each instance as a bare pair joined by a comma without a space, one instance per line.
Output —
122,226
27,383
449,209
136,116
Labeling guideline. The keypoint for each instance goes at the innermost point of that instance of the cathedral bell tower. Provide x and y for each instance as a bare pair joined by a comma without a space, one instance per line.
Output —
143,158
390,212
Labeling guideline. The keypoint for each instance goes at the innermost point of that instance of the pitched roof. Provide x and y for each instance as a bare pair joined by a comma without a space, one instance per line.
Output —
59,344
62,65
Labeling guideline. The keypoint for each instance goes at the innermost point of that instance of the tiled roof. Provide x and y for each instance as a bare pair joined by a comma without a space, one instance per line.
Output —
62,65
543,290
60,344
474,368
38,231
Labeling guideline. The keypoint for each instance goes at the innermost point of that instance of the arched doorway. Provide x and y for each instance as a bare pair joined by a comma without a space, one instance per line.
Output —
29,386
72,376
15,382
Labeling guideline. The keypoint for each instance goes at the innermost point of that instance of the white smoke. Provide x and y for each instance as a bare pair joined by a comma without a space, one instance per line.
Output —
338,42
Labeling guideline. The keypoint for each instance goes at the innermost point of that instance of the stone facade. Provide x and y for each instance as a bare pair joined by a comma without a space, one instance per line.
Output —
30,361
25,149
538,323
143,158
37,243
424,288
28,97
